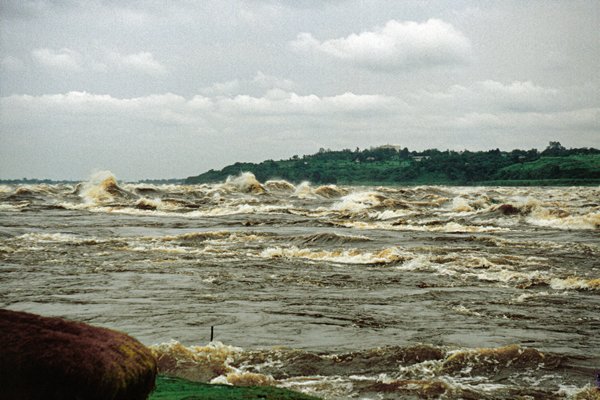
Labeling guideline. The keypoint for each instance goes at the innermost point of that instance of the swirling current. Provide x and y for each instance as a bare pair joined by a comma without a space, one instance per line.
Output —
336,291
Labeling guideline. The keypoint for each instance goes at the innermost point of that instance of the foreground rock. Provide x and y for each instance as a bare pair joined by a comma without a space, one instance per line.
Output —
50,358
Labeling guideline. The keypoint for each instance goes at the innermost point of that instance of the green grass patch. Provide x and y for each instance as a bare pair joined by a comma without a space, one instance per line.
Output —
168,388
538,182
570,167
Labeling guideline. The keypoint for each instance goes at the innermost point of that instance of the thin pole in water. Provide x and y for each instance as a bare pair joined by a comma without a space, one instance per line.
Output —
212,333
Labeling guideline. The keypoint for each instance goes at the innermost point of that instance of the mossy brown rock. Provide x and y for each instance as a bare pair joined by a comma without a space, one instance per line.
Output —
51,358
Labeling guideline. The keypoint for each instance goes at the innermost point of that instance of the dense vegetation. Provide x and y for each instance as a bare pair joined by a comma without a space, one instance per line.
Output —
555,165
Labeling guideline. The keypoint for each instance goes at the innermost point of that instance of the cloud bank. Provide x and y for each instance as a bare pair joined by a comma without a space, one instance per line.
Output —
482,104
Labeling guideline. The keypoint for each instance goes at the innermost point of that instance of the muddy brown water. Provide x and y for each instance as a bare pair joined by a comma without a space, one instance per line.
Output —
341,292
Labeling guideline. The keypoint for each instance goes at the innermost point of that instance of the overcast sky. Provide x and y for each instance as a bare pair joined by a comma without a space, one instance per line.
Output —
162,89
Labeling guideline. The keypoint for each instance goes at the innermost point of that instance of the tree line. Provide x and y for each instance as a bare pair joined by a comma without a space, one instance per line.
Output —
394,165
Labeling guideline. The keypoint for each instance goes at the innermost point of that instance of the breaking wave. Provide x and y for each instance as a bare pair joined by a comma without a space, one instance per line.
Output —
425,371
102,187
331,238
245,182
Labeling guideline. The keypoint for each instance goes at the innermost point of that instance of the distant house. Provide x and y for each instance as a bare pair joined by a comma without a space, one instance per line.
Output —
419,158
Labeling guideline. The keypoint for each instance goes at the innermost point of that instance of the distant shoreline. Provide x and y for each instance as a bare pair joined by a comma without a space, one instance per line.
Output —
505,183
393,166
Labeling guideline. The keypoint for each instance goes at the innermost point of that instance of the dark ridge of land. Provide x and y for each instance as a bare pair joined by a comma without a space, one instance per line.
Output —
162,181
33,181
390,165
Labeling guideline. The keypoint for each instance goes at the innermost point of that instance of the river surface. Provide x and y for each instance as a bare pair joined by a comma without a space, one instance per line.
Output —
337,291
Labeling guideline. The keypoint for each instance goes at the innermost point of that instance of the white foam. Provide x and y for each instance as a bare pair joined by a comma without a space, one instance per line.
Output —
13,207
94,190
304,191
245,182
460,204
350,256
358,201
575,283
577,222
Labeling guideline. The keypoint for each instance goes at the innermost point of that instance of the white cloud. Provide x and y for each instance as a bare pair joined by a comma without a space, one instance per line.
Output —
143,62
270,81
70,106
396,46
65,58
258,84
222,88
278,102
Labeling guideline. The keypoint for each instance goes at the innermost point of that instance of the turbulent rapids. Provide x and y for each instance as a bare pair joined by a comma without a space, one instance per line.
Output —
341,292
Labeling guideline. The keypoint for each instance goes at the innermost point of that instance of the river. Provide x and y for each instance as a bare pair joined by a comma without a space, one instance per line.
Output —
336,291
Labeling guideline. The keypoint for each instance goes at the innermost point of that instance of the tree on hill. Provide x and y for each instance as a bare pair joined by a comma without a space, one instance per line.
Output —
554,149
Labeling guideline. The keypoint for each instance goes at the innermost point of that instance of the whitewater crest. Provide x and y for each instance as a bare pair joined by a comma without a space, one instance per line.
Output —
246,182
102,187
452,210
420,370
210,363
349,256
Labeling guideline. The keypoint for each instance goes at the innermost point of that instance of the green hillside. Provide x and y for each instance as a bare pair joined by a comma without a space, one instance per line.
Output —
391,166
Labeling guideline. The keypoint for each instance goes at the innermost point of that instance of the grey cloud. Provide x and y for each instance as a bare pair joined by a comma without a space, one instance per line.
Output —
65,59
31,8
300,4
11,63
68,60
515,96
